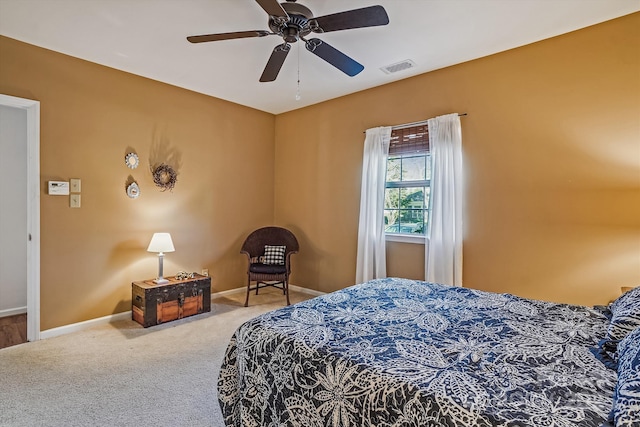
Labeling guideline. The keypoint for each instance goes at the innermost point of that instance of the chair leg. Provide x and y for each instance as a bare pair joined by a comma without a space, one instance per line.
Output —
286,290
246,301
257,286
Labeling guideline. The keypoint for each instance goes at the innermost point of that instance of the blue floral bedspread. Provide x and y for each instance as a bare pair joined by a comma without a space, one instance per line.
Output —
399,352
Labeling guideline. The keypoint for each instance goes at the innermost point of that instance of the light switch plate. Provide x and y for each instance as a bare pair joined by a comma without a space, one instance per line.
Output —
74,201
75,185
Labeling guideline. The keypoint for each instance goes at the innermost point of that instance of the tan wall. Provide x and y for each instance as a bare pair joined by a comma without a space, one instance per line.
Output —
91,116
552,157
552,168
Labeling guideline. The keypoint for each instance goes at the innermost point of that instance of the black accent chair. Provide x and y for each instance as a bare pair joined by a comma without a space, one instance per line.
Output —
276,275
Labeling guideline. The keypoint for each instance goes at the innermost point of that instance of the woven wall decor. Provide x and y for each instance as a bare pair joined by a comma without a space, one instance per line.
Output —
164,177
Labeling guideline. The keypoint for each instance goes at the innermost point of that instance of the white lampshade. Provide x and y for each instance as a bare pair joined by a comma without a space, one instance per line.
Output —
161,242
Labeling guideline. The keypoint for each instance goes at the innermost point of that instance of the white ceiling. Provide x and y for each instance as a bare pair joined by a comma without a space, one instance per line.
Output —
147,37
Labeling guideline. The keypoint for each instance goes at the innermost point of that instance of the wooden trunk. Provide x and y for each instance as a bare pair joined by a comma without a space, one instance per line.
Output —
153,304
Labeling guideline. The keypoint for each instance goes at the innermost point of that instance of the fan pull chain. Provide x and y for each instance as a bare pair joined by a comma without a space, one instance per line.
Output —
298,97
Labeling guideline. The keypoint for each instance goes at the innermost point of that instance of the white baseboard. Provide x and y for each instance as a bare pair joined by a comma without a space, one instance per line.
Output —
13,311
244,289
306,291
229,292
75,327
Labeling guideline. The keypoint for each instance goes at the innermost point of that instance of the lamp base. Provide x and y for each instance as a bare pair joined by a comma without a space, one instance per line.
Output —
160,281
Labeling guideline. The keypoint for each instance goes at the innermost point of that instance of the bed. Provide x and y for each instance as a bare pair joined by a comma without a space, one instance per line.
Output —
399,352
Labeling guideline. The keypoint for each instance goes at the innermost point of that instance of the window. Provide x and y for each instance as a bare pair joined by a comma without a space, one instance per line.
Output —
406,205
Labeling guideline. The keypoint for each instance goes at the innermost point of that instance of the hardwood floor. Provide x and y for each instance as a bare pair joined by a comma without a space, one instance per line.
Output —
13,330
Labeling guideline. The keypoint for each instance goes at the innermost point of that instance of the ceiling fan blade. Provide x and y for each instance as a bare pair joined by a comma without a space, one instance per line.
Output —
275,62
227,36
371,16
334,57
273,8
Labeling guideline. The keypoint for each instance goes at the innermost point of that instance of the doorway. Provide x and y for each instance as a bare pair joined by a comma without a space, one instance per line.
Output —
26,114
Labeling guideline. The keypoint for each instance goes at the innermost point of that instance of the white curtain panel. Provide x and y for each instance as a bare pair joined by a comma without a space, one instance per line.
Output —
371,260
443,261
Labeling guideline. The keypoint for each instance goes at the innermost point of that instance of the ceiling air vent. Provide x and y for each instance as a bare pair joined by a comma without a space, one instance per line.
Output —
398,66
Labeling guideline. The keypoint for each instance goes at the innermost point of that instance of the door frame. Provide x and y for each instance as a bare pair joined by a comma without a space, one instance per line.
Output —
33,210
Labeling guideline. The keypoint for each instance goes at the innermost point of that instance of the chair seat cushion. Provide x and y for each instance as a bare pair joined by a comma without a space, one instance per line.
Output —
267,268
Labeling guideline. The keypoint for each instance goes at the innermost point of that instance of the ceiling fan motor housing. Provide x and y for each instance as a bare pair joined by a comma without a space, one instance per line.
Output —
296,26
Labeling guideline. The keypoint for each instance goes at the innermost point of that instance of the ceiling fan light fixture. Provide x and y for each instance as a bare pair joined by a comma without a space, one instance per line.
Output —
398,66
290,34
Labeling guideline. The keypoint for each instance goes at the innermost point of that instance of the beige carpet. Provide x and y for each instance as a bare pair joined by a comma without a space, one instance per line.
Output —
122,374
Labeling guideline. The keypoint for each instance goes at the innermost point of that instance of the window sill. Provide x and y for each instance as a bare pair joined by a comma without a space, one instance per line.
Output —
405,238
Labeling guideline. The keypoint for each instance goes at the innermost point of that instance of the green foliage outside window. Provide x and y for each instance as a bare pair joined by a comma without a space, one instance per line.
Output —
407,194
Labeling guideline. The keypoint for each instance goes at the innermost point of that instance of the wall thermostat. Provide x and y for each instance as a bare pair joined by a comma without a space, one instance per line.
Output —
58,188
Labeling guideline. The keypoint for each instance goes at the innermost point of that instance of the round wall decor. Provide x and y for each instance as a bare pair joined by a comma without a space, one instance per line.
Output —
164,177
131,160
133,191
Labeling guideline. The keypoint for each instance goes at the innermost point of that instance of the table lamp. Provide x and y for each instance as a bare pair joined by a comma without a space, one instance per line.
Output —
161,243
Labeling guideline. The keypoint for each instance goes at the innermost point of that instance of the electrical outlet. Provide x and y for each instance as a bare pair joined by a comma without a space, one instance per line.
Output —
205,272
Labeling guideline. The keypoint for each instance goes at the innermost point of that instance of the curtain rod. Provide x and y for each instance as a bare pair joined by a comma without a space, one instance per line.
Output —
421,122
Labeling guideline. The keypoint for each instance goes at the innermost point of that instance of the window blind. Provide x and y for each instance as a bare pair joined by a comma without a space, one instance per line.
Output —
409,139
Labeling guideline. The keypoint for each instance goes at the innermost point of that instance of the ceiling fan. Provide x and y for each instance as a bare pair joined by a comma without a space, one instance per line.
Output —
293,22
